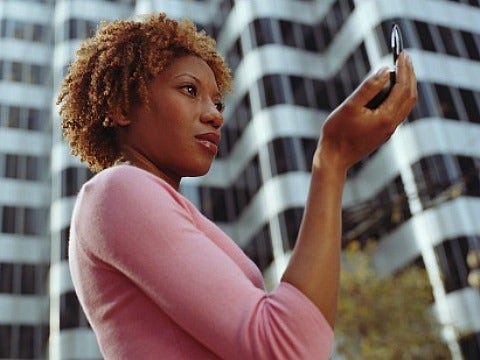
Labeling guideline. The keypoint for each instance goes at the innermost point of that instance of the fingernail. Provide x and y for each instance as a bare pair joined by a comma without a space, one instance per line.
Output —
382,72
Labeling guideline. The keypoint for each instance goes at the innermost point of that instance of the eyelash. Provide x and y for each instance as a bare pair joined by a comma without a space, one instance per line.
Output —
192,91
220,106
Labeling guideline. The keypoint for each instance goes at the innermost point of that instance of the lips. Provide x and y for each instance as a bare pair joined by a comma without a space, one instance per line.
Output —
210,141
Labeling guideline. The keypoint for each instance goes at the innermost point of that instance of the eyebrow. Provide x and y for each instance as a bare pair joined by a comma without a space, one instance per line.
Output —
197,80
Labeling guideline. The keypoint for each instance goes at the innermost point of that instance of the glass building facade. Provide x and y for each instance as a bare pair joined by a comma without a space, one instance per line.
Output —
293,61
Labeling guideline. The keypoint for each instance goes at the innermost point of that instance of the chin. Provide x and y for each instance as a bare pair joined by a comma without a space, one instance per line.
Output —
198,171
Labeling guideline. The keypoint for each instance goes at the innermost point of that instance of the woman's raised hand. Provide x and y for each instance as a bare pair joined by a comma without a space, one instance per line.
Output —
353,131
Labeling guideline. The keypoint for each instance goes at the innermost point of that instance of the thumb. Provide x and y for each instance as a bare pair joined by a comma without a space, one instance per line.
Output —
370,87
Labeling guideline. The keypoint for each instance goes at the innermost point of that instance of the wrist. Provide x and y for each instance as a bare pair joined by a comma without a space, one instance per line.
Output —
331,164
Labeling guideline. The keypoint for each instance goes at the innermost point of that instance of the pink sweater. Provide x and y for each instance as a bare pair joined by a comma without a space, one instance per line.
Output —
157,280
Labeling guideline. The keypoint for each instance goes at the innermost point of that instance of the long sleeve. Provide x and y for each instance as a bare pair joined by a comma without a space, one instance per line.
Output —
141,255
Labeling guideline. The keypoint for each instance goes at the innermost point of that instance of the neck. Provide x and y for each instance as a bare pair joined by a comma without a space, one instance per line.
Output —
133,157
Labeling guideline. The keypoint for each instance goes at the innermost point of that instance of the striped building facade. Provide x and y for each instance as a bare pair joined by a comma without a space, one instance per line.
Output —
293,62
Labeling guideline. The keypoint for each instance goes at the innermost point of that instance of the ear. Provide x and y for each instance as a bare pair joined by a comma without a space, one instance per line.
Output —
119,118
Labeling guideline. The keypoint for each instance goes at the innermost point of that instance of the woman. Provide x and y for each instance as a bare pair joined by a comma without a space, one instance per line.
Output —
142,104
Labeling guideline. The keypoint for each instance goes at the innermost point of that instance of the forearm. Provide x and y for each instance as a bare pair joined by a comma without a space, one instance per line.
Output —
314,267
350,133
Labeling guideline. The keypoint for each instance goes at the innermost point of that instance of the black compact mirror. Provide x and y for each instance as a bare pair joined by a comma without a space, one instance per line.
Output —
396,45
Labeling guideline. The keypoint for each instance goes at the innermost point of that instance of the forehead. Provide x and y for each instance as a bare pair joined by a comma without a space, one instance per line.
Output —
192,66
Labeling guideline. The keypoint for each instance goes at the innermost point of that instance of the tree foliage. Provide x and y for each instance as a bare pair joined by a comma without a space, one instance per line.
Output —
385,317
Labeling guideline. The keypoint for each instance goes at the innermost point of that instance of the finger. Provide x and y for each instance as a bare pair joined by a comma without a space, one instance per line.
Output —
411,91
370,87
401,79
408,81
404,93
404,69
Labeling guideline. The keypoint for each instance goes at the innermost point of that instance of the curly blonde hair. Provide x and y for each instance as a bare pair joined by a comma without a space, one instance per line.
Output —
111,73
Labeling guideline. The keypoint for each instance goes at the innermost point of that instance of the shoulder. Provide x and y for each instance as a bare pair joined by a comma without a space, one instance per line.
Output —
126,176
127,190
126,200
127,182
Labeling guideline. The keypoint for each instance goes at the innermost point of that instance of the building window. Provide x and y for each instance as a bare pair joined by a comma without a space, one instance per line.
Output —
16,71
283,157
381,34
79,29
310,40
71,314
472,43
234,55
214,203
327,37
34,220
27,221
263,32
470,345
20,117
378,216
335,17
273,90
23,279
6,278
446,104
73,32
72,180
21,30
22,341
337,89
3,28
290,221
425,35
288,33
437,38
24,167
246,186
11,166
259,249
299,91
471,103
426,104
64,239
321,95
8,219
18,29
28,279
470,175
452,255
309,146
433,176
351,70
38,33
448,41
234,128
34,119
35,75
22,72
226,204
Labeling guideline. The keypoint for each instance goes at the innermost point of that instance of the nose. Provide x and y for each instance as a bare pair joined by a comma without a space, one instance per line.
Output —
211,115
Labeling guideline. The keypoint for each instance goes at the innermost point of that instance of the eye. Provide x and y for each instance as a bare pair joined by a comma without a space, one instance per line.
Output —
190,89
220,106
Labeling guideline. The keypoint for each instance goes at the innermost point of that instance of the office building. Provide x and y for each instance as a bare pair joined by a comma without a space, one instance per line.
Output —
293,61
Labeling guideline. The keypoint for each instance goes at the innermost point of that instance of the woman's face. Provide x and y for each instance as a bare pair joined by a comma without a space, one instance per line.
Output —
178,133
